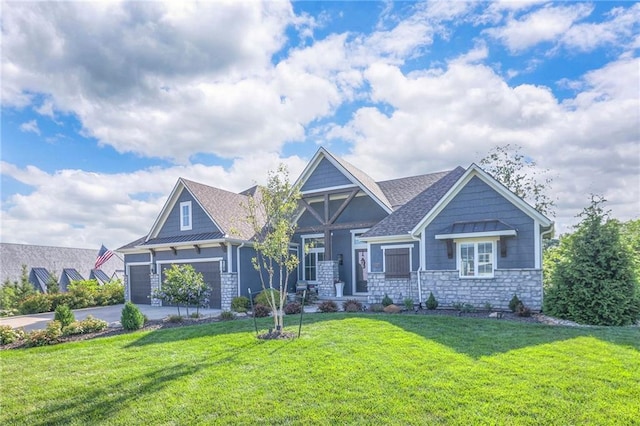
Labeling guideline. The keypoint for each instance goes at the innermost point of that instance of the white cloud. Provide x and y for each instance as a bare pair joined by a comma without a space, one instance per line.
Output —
76,208
30,126
542,25
445,117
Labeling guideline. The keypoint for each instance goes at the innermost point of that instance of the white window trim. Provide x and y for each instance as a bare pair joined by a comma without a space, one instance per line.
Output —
184,227
397,246
313,250
475,242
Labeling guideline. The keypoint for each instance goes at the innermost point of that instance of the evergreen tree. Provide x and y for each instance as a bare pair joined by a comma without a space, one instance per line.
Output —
593,281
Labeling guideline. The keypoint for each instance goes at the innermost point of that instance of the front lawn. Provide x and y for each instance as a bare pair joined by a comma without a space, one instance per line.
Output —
345,369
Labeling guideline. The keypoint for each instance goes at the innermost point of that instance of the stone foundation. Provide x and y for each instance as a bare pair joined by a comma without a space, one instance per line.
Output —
155,286
448,288
397,289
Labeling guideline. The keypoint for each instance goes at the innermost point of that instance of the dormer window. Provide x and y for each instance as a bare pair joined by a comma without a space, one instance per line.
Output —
185,216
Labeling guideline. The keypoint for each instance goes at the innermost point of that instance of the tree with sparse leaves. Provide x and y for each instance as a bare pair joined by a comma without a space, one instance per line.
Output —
521,175
183,286
271,213
592,277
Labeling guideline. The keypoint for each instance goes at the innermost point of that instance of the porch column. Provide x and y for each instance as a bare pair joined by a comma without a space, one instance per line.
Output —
327,274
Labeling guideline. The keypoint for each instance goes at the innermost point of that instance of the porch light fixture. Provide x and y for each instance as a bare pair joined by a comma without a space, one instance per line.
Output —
152,268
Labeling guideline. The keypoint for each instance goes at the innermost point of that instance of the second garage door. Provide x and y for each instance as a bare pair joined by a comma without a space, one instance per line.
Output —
211,274
140,284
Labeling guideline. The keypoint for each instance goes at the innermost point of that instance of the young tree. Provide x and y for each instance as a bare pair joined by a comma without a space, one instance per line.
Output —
183,286
593,280
521,175
52,284
271,214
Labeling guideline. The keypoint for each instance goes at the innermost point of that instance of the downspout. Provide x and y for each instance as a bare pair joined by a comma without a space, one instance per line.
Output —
238,265
419,240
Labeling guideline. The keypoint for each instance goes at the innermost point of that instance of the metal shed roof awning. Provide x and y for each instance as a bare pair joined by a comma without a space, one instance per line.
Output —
481,228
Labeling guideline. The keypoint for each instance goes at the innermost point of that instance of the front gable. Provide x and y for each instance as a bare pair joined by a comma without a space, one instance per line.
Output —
325,176
200,220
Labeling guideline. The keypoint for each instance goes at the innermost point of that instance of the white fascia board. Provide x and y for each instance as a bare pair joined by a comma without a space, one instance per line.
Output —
168,205
388,239
508,232
472,171
331,188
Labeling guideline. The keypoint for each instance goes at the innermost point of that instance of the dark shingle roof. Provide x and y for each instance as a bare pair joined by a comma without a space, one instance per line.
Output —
400,191
224,207
41,276
72,274
98,274
406,217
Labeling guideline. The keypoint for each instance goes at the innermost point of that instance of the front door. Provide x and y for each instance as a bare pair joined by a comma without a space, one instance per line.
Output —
361,270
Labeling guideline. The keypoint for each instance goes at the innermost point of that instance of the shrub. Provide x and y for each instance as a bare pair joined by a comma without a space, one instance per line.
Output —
408,303
467,308
292,308
80,296
328,306
261,311
196,315
9,335
64,315
264,297
92,325
488,306
513,303
58,299
49,336
175,319
35,304
432,303
131,318
376,307
73,329
227,316
386,300
351,306
522,310
240,304
111,293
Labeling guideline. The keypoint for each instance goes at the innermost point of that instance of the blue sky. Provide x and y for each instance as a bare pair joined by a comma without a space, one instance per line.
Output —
105,105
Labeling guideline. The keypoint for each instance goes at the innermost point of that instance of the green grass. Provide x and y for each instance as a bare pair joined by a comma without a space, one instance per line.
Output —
345,369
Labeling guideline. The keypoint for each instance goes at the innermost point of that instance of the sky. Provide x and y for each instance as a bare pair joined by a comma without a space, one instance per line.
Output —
104,105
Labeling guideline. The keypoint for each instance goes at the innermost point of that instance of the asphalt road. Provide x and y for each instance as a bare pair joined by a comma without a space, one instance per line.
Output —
110,314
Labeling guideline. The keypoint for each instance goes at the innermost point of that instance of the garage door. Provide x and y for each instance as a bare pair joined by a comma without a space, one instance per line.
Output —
140,284
211,274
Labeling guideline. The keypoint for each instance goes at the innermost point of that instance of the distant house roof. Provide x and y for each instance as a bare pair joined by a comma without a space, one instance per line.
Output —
98,274
53,259
39,277
72,274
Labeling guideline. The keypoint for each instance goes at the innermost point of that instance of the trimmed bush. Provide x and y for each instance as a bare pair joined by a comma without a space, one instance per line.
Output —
264,297
92,325
292,308
35,304
386,300
227,316
111,293
132,318
64,315
58,299
261,311
9,335
240,304
432,302
408,303
376,307
49,336
513,304
522,311
351,306
73,329
175,319
328,306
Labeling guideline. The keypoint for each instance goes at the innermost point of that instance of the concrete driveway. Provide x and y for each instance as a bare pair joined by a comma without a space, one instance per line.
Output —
110,314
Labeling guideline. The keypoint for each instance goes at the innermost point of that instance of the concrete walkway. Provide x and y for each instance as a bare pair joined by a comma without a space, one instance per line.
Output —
110,314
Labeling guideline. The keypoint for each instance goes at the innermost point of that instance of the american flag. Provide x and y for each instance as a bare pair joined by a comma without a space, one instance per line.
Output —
103,255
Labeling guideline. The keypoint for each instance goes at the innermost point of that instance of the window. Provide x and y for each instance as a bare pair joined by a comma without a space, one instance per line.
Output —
314,253
185,216
397,262
476,258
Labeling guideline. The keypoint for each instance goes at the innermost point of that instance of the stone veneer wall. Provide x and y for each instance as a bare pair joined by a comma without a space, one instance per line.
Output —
326,275
155,286
397,289
448,288
229,289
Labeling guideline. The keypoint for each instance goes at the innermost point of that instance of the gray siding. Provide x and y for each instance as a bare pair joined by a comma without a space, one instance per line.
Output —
137,257
200,221
477,201
325,175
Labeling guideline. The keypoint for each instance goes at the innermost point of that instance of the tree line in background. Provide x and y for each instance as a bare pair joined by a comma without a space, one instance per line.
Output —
20,297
